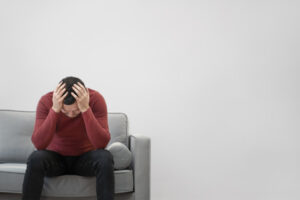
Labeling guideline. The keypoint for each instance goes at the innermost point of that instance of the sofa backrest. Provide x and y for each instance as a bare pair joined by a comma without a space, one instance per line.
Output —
16,129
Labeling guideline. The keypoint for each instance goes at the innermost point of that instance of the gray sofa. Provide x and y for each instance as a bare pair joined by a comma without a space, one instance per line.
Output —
16,127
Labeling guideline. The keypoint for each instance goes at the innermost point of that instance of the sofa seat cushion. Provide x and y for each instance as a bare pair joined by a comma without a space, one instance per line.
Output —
12,176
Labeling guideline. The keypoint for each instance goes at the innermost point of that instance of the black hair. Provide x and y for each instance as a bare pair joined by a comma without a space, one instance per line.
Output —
70,80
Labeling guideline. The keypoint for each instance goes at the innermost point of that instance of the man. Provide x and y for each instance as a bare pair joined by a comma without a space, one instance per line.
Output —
70,134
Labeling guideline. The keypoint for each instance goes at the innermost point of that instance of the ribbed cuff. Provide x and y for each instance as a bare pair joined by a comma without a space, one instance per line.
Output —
53,112
87,111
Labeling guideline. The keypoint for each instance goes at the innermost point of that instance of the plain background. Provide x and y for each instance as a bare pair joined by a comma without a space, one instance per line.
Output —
214,84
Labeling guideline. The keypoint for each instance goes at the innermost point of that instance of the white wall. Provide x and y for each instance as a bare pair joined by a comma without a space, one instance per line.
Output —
214,83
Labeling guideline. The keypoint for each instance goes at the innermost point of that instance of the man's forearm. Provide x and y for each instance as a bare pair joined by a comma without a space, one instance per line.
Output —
97,135
44,130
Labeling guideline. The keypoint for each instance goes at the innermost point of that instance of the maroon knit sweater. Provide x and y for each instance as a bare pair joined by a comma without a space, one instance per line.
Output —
71,136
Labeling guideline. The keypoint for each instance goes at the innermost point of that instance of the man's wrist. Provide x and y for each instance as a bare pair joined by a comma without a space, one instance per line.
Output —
84,110
55,110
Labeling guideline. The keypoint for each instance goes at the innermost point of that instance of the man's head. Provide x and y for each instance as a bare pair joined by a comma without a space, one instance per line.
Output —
70,107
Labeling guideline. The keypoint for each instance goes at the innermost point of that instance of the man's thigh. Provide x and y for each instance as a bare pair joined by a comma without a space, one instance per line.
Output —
87,163
51,162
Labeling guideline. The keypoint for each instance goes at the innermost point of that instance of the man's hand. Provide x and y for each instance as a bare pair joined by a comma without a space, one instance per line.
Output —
57,98
82,97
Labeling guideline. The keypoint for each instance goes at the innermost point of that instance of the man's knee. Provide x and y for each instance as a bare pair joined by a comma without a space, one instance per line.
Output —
36,158
103,157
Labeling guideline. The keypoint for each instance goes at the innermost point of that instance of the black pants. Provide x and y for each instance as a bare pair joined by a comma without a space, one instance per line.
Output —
48,163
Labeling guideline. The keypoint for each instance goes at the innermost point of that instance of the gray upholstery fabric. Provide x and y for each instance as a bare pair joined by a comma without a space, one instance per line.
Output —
140,148
118,128
16,128
15,135
121,154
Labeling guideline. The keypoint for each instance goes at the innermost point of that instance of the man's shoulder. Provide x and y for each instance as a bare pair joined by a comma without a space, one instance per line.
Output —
95,95
46,99
97,103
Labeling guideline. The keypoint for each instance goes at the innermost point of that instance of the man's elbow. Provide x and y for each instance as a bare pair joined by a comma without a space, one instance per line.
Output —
37,145
104,142
107,139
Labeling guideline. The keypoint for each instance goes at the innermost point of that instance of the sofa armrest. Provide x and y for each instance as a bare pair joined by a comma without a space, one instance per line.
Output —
140,147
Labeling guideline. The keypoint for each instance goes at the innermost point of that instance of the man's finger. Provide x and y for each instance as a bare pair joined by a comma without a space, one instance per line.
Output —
61,92
63,96
79,89
74,95
80,85
62,85
57,86
79,93
83,88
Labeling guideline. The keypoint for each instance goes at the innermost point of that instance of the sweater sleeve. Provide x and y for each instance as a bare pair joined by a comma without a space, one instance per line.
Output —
96,123
45,126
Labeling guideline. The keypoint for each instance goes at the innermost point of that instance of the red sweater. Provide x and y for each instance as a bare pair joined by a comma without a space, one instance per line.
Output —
71,136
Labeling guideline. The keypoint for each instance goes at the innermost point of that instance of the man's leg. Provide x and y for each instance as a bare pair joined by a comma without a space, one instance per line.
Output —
40,163
98,163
